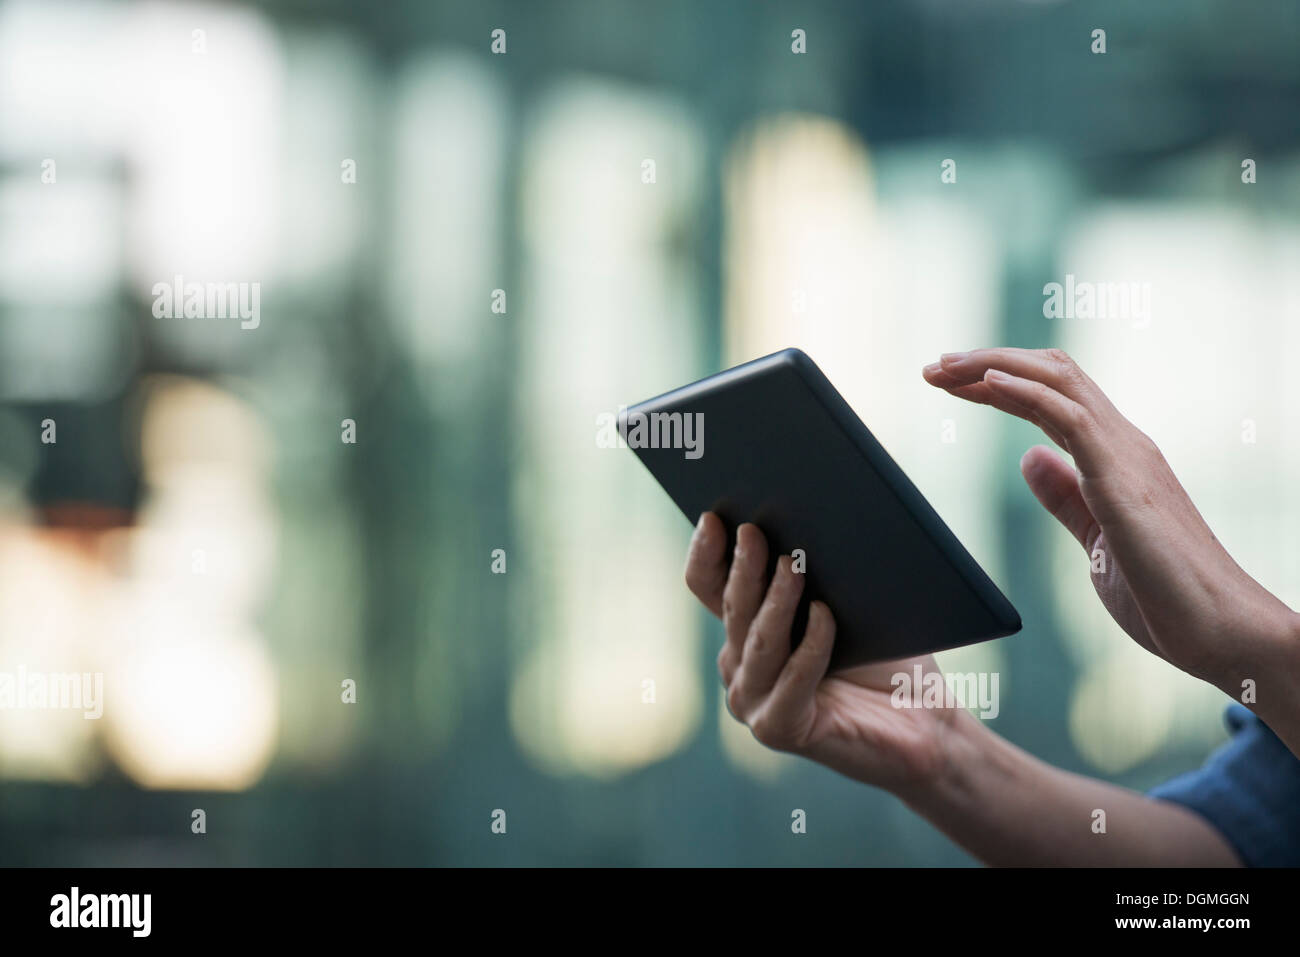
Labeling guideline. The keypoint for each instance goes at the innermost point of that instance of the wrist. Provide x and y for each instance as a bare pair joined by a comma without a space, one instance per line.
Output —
1262,666
967,749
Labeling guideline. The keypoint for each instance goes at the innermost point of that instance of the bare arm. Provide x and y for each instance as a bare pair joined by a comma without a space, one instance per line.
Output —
1008,808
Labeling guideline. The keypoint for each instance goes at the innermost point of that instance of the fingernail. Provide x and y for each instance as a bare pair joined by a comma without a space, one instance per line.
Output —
953,356
996,376
932,367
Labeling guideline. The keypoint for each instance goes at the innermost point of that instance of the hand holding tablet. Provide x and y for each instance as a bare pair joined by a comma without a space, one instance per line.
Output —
775,445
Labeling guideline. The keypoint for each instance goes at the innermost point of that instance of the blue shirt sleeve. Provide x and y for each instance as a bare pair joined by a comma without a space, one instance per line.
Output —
1249,789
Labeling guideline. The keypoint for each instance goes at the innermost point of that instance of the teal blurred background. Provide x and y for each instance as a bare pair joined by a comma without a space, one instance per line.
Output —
472,255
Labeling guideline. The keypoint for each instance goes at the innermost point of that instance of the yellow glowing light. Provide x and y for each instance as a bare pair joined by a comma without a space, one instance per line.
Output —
50,601
606,612
191,710
193,698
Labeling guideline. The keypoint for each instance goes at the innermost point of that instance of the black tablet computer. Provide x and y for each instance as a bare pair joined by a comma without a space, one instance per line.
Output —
772,442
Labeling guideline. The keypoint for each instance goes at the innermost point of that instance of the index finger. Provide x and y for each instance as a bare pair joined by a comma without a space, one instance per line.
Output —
1052,367
706,562
1085,437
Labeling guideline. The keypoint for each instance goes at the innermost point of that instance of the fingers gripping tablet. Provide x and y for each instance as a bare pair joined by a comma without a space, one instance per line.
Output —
772,442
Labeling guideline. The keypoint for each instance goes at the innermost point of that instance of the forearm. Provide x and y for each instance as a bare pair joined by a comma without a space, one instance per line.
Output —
1007,808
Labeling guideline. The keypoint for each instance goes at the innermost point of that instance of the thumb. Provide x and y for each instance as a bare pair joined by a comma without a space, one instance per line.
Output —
1055,484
